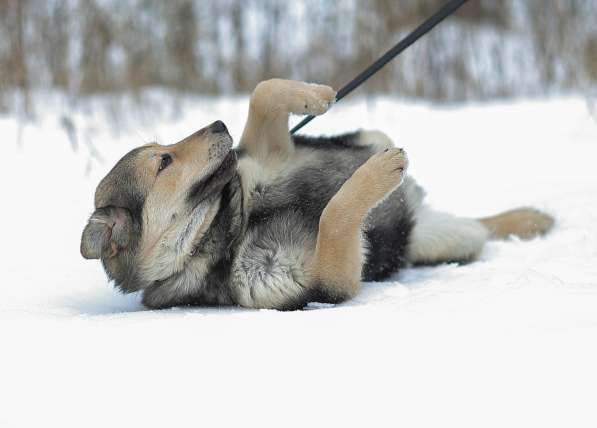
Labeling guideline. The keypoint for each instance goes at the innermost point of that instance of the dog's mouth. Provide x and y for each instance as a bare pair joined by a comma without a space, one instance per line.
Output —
215,180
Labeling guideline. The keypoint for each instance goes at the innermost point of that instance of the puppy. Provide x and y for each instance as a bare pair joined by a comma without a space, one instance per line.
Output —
279,221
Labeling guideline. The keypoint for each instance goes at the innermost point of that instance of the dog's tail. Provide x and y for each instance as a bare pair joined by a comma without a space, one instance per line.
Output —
525,223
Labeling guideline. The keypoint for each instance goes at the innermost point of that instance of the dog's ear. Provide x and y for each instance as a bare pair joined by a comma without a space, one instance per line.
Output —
107,232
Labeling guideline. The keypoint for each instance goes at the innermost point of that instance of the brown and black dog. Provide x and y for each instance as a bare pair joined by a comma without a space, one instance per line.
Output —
278,222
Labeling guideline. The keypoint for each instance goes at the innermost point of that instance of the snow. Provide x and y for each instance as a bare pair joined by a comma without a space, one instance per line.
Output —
510,340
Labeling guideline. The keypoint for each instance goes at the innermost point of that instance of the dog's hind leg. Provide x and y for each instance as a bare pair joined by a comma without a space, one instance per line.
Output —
335,272
440,238
525,223
266,136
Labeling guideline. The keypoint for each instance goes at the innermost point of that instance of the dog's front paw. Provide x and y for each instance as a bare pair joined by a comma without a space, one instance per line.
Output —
382,173
313,99
371,183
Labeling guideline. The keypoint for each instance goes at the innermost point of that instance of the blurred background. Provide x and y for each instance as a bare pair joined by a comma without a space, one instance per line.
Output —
490,49
495,109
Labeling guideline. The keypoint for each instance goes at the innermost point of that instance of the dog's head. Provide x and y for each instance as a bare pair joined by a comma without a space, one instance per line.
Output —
154,206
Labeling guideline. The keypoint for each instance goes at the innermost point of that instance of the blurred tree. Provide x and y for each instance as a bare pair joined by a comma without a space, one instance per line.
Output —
139,38
181,41
14,72
55,41
97,35
239,69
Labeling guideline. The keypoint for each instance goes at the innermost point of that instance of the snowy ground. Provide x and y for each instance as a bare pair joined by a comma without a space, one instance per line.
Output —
508,341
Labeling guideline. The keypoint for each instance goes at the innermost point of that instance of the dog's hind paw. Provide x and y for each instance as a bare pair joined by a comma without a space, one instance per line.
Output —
524,223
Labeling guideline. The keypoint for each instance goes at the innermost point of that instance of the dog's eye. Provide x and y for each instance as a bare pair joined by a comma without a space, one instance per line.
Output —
166,160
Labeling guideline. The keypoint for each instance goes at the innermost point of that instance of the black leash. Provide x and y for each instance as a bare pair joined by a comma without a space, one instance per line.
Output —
448,9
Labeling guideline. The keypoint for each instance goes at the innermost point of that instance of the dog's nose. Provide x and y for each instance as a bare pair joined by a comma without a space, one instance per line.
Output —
218,127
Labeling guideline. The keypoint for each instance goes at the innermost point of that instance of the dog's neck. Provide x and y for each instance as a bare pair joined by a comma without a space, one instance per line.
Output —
222,241
228,223
206,278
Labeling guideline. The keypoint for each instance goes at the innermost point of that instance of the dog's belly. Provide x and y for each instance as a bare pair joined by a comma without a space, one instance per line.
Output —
270,267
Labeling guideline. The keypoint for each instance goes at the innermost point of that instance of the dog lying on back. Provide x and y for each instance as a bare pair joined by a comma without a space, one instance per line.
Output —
280,221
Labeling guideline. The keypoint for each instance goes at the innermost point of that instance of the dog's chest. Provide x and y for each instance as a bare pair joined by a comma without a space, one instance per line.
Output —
269,270
271,263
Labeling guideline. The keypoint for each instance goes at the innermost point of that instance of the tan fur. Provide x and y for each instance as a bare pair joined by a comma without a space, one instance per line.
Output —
191,159
338,256
524,223
266,137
